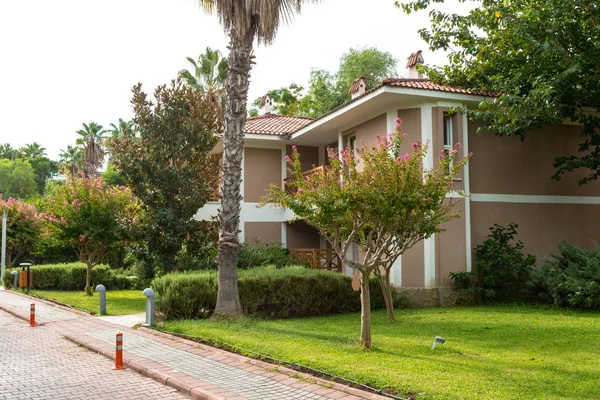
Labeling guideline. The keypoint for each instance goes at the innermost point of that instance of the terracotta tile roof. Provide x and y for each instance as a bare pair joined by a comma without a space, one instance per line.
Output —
273,124
410,83
356,85
412,60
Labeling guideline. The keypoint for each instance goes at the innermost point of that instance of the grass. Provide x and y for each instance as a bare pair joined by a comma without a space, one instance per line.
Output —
491,352
118,302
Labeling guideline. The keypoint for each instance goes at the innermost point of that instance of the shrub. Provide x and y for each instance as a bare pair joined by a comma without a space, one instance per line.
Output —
71,277
572,278
270,254
502,272
265,292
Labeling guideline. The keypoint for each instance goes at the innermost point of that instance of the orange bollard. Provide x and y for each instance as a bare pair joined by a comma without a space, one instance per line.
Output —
119,355
32,315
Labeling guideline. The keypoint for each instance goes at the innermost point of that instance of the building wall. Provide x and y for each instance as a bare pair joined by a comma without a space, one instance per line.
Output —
413,266
262,232
506,165
451,246
261,168
299,235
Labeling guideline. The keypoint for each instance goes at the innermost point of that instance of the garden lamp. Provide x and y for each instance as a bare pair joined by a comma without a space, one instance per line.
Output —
438,339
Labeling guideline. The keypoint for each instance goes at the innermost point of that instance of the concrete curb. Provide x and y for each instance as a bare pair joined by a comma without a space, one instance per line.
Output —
24,315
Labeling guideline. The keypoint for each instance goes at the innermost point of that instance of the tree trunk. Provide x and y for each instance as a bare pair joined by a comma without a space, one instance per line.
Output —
88,289
386,289
240,63
365,308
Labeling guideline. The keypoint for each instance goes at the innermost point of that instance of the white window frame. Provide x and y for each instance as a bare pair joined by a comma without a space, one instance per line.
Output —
447,133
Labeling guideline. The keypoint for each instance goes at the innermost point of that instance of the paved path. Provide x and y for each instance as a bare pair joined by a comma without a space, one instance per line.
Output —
37,363
200,371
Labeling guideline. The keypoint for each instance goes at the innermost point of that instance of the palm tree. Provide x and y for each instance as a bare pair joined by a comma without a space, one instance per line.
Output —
33,150
208,76
7,151
71,160
243,20
117,131
92,140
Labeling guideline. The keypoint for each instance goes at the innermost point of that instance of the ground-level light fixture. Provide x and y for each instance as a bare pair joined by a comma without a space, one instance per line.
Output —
438,339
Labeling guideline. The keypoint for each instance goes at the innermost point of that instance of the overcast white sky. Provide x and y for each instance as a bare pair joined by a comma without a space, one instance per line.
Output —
64,62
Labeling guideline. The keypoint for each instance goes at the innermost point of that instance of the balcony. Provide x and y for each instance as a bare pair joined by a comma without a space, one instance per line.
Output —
311,171
325,259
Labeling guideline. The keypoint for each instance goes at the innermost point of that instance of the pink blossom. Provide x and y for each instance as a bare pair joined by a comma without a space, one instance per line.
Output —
398,121
81,238
406,157
399,159
454,151
294,148
458,145
471,154
404,134
415,145
300,190
372,182
425,199
288,159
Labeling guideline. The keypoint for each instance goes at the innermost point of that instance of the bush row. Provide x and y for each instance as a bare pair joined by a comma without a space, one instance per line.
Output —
71,277
265,292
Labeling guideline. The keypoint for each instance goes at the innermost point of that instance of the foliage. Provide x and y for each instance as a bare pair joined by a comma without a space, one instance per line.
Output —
208,77
32,150
43,170
167,165
491,352
69,277
119,302
71,160
572,277
23,226
265,291
406,202
286,101
542,59
502,272
323,94
7,151
17,179
92,141
250,256
91,216
112,176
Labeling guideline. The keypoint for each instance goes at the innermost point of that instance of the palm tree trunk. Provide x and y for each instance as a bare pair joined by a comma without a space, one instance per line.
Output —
240,63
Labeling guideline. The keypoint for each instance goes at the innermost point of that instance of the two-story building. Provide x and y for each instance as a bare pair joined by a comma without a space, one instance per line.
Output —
507,180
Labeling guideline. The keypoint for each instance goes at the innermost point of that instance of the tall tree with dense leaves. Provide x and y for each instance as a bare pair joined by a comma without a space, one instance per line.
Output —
286,100
71,160
7,151
244,21
541,58
33,150
17,179
92,140
166,162
208,76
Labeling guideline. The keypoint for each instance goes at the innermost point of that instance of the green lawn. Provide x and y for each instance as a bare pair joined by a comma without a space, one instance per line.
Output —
118,302
497,352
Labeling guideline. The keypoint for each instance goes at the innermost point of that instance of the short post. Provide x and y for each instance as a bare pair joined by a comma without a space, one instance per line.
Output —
15,275
26,274
102,293
149,293
32,315
119,355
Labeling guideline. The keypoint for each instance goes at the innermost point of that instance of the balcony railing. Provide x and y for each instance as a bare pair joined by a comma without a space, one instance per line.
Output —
311,171
325,259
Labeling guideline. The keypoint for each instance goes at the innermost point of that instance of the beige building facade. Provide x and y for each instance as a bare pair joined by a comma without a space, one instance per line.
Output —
506,180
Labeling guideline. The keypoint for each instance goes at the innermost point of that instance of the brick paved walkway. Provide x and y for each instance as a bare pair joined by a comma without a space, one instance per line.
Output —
37,363
200,371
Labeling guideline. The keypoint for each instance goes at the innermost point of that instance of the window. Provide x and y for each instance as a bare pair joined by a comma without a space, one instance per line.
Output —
448,135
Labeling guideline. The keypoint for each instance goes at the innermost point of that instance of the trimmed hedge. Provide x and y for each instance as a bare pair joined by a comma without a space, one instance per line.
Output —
71,277
265,292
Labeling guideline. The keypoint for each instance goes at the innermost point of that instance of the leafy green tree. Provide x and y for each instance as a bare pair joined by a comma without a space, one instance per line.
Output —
112,176
286,101
71,160
244,21
91,216
374,65
44,169
324,94
7,151
17,179
92,140
382,200
541,58
208,76
22,229
166,162
33,150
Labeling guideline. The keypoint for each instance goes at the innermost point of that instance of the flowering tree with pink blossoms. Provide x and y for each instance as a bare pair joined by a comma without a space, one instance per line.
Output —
23,225
90,215
382,199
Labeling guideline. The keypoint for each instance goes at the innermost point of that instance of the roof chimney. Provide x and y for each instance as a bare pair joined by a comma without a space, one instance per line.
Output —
414,60
265,104
358,88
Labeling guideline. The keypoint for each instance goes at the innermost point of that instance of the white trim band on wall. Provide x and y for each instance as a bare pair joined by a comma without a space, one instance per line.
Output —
533,199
